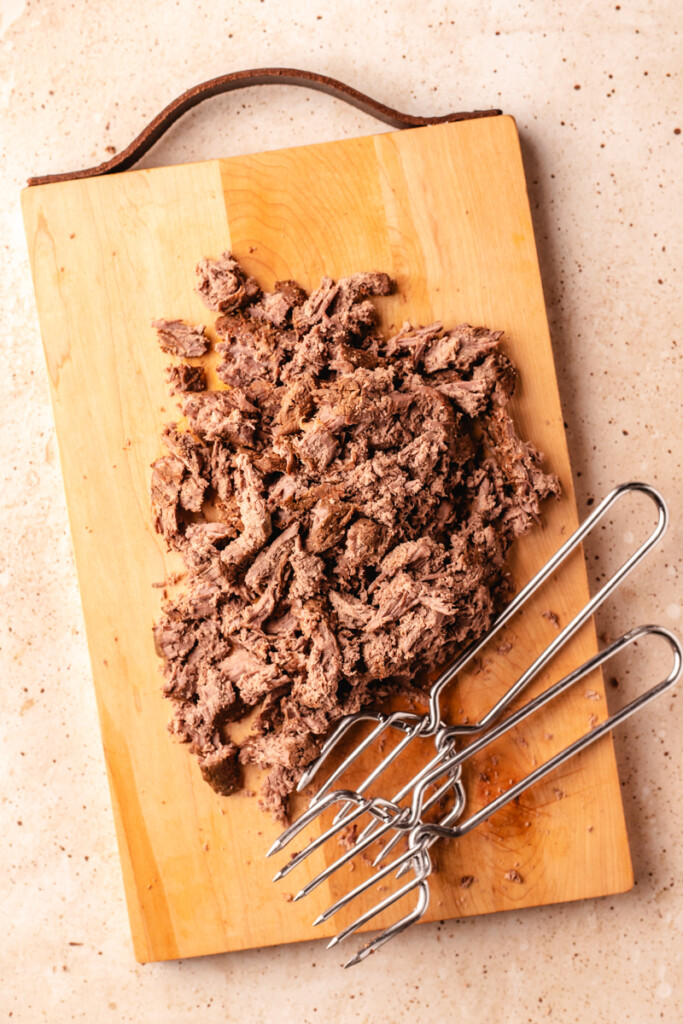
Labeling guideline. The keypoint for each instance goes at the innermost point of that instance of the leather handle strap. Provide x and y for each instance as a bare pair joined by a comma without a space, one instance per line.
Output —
124,160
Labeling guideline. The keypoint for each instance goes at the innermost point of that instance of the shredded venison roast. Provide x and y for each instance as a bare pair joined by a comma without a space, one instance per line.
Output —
184,378
343,507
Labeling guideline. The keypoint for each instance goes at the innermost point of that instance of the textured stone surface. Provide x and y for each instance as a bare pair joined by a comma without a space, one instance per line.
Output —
596,92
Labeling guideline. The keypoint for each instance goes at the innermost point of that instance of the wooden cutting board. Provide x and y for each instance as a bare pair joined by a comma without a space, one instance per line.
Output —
444,210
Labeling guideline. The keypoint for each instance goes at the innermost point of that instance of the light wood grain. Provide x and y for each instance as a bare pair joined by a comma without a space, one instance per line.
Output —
444,210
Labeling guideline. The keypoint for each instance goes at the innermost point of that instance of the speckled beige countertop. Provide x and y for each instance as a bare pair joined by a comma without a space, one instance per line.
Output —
596,90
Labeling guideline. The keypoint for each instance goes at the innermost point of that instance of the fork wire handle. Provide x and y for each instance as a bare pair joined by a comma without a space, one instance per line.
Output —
548,569
425,832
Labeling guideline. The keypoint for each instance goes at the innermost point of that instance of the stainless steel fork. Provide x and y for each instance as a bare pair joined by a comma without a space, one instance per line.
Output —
404,816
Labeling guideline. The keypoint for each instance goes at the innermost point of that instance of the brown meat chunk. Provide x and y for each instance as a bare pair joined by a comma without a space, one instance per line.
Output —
222,285
179,339
275,308
317,449
221,769
167,478
460,348
256,525
182,378
221,415
327,521
251,351
337,307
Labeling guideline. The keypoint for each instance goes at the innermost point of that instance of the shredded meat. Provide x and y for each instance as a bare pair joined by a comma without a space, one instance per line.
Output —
185,378
178,338
344,508
222,285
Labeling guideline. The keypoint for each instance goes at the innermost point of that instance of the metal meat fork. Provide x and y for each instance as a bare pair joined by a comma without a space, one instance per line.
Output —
413,725
444,771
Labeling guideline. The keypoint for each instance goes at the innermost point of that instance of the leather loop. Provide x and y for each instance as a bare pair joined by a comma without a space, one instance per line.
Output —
124,160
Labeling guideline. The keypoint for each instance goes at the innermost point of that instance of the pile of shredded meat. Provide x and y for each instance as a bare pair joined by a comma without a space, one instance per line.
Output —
343,508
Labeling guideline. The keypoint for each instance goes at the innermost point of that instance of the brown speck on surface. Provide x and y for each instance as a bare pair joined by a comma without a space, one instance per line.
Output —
577,86
559,793
514,876
677,131
347,836
589,829
466,881
614,683
552,618
110,149
287,897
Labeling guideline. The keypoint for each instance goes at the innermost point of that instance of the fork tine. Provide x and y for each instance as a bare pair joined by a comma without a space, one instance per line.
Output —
353,756
382,766
397,719
307,817
316,843
344,859
390,757
363,887
384,904
342,727
394,929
